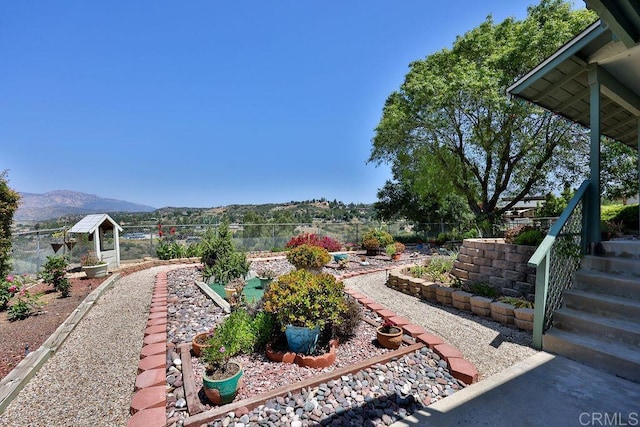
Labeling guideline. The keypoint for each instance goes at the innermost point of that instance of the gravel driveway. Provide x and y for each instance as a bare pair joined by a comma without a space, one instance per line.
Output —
490,346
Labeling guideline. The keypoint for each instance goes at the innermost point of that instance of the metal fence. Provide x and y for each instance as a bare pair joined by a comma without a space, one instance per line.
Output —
31,248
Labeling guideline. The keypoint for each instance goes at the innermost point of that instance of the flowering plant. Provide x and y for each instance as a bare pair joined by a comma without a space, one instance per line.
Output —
10,286
234,335
332,245
25,305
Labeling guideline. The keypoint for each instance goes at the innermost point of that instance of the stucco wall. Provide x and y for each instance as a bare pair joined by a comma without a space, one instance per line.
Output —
499,264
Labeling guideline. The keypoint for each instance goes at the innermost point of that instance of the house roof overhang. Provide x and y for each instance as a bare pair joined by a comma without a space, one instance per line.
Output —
561,83
622,16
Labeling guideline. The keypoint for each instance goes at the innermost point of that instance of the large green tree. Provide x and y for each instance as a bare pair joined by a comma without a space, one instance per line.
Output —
8,205
451,129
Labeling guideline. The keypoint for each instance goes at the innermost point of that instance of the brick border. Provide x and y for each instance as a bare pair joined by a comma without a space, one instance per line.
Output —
149,400
148,404
459,367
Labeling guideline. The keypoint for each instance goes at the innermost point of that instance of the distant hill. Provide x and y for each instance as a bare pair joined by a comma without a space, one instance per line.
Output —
55,204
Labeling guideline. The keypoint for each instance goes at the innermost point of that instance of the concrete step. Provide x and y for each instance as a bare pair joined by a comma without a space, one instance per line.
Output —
622,248
606,305
611,264
599,327
607,283
618,359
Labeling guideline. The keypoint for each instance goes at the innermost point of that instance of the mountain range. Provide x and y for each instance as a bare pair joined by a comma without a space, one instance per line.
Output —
54,204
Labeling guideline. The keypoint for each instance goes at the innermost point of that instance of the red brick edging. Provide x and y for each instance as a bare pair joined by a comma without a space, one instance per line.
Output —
149,401
459,367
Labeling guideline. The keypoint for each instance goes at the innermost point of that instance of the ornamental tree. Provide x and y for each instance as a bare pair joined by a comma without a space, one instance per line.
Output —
451,129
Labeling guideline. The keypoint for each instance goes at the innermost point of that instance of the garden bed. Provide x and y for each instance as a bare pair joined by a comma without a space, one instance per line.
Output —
367,382
22,336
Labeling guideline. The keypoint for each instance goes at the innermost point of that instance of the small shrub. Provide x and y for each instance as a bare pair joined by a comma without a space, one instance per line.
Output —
219,255
524,235
264,326
306,256
24,306
301,298
439,267
379,238
529,238
516,302
350,320
418,271
54,273
483,290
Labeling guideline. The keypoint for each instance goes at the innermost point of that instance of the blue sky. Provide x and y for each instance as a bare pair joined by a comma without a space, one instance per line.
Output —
208,103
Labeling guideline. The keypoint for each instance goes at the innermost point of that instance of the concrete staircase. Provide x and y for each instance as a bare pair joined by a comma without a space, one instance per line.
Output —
599,323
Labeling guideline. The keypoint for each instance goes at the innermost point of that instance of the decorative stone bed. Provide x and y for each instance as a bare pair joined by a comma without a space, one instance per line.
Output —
358,391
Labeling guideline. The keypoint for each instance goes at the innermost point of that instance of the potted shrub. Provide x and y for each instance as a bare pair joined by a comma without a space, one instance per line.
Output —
394,250
221,377
199,342
303,303
399,248
389,335
308,257
93,266
375,239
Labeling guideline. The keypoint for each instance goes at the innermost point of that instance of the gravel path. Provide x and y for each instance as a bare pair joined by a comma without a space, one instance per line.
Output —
489,345
89,381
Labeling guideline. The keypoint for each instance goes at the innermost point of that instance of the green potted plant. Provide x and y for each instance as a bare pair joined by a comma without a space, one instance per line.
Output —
374,239
93,266
235,335
303,303
308,257
265,275
390,250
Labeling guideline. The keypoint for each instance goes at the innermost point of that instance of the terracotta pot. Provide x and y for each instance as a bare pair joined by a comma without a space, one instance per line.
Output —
195,343
228,292
391,340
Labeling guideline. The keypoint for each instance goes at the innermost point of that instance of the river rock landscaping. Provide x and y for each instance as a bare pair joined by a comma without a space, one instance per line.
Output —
378,394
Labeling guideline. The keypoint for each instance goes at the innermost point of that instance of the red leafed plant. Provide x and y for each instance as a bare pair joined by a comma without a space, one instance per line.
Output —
332,245
388,327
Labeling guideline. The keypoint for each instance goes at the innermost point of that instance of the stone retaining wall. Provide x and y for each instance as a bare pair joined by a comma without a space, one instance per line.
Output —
499,264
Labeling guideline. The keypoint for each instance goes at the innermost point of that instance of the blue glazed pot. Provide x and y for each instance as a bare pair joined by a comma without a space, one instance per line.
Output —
338,257
301,339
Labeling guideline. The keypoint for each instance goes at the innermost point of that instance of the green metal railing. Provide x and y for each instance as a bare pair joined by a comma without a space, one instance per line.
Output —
556,259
